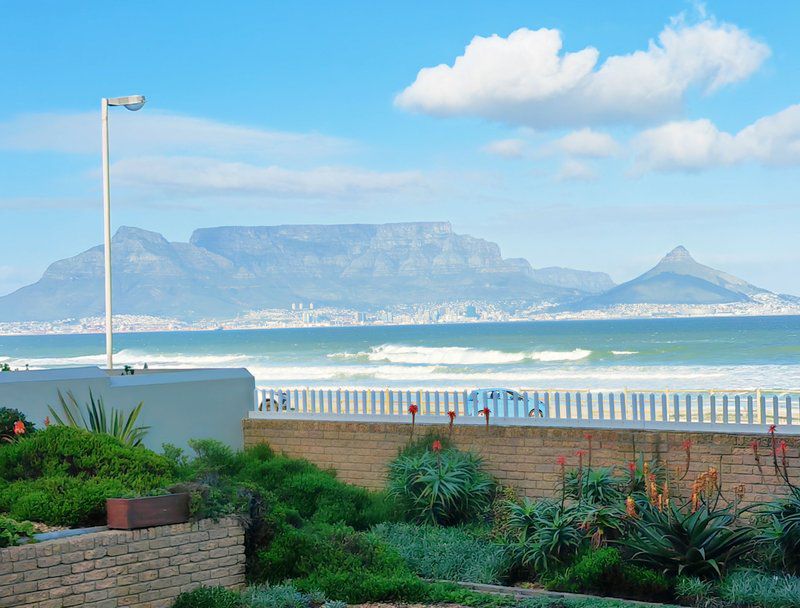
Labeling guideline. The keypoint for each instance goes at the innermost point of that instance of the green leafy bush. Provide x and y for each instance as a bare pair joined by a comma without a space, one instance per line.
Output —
8,416
780,532
62,476
209,597
676,541
447,488
748,588
61,450
61,500
341,562
605,572
11,531
454,554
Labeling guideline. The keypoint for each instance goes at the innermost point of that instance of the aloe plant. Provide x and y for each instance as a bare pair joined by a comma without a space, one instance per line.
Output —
703,543
98,420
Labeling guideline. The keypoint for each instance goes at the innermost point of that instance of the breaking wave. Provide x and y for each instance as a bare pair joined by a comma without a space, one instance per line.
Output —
456,355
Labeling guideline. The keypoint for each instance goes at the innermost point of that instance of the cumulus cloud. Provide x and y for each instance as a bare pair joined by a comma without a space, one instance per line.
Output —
507,148
587,143
154,132
527,78
196,176
698,144
573,170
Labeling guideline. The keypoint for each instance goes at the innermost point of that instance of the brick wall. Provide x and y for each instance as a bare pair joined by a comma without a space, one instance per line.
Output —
525,456
138,568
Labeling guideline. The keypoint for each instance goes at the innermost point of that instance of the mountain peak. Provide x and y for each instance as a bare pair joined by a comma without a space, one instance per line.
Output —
125,233
679,254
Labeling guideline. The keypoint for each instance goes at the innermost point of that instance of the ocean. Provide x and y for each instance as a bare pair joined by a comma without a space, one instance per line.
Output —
652,354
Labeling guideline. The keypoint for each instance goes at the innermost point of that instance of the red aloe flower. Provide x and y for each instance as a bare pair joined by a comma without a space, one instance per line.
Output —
19,427
561,461
486,412
46,421
437,446
452,415
413,409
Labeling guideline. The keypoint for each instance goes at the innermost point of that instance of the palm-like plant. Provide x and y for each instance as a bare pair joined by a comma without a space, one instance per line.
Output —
445,488
700,543
547,536
781,532
596,486
98,420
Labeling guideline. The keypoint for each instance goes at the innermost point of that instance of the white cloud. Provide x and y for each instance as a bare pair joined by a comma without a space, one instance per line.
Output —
507,148
587,143
154,132
527,79
696,145
573,170
197,176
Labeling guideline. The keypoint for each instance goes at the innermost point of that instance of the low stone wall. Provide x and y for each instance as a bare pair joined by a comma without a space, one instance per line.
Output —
525,456
138,568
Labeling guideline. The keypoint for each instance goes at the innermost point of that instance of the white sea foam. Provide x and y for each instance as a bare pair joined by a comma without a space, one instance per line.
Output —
624,352
556,355
138,359
456,355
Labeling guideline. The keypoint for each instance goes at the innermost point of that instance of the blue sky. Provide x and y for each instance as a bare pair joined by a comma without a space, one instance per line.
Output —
583,134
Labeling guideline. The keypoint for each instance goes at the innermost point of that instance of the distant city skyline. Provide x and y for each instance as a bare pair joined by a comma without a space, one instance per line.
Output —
587,135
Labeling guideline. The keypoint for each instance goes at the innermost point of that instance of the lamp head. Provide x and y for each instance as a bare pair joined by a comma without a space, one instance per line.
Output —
131,102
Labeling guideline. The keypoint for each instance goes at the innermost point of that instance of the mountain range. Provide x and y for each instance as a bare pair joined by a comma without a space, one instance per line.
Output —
227,270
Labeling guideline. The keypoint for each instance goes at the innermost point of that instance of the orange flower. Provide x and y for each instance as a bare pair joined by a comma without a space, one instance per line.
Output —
19,427
47,421
561,461
413,409
630,507
437,446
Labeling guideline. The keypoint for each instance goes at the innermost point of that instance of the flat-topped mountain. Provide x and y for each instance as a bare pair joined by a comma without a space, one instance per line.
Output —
676,279
227,270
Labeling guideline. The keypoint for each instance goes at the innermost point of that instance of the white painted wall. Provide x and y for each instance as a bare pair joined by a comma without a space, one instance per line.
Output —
178,404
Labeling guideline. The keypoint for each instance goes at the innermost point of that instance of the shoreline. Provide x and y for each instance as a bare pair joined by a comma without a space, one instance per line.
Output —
584,316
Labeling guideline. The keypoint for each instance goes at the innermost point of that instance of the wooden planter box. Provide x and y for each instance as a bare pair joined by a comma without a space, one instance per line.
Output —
131,513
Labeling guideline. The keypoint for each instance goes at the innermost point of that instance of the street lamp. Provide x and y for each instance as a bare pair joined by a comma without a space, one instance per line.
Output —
132,103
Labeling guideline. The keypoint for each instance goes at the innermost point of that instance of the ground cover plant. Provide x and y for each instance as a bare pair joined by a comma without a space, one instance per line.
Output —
453,554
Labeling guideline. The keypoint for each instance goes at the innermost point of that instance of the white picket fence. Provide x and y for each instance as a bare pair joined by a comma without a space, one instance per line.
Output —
689,410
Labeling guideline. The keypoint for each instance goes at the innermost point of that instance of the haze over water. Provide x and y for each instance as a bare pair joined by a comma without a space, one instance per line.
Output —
755,352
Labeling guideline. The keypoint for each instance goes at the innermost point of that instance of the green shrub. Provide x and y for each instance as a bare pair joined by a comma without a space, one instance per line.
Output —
748,588
604,572
60,450
8,416
11,531
693,591
61,501
62,476
209,597
676,541
341,562
780,532
423,443
453,554
448,488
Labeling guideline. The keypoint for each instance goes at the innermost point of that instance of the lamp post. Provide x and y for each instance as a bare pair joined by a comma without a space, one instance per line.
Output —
132,103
